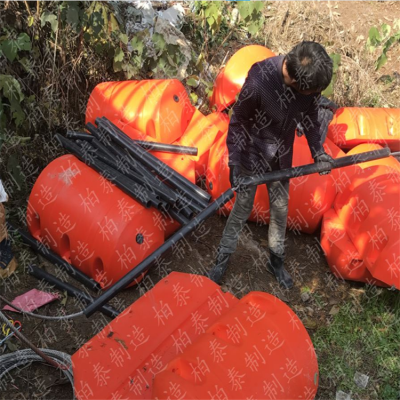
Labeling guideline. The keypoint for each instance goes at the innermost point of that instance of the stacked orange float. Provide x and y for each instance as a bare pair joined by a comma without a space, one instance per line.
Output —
160,110
163,345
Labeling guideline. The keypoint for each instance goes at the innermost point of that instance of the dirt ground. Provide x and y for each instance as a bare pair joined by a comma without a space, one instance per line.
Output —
246,273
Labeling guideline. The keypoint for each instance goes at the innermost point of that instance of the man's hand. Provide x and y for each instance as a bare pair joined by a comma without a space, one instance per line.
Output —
234,178
325,158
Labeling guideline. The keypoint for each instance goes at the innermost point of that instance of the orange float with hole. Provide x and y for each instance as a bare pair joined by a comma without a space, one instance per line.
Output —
89,222
351,126
187,339
231,77
159,109
309,196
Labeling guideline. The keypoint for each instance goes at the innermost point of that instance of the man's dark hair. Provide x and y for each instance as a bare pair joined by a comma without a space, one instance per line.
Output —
310,65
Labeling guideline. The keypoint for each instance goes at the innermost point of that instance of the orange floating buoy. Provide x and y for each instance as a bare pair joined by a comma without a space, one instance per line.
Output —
89,222
187,339
201,133
231,78
242,355
369,211
159,109
351,126
342,256
390,161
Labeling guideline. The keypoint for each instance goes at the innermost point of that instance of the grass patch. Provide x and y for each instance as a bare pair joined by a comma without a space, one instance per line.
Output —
365,337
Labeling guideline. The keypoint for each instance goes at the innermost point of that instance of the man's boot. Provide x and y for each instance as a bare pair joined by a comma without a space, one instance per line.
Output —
218,270
275,266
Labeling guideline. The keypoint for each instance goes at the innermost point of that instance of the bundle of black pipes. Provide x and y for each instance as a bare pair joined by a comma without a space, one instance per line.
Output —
138,173
288,173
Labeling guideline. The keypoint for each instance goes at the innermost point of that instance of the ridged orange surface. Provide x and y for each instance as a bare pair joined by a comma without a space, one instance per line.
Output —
186,339
367,215
89,222
159,109
201,133
309,196
231,78
342,256
351,126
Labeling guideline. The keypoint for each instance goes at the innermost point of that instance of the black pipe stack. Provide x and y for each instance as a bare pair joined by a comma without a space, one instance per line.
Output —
128,164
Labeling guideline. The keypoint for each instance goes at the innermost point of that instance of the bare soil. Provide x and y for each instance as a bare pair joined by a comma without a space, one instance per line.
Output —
246,273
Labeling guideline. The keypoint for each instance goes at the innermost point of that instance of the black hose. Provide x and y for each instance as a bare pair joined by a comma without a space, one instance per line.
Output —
308,169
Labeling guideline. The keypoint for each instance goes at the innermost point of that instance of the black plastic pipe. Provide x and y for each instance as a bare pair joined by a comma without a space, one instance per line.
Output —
167,148
180,217
150,161
79,135
157,146
176,180
56,259
308,169
41,274
164,191
150,146
138,192
114,152
152,184
184,201
142,267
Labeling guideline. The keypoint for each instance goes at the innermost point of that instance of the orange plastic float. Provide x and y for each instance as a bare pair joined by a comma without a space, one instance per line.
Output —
89,222
186,339
159,109
309,196
351,126
363,228
231,77
342,256
201,133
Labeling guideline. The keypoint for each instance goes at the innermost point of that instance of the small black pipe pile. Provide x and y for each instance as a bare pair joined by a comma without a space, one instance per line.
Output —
128,164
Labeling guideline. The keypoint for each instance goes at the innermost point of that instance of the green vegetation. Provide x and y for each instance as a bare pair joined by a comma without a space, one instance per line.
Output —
365,337
384,40
52,55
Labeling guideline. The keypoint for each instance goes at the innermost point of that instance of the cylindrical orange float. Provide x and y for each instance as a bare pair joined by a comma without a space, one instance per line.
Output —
258,349
231,78
89,222
369,210
159,109
201,133
187,339
351,126
343,258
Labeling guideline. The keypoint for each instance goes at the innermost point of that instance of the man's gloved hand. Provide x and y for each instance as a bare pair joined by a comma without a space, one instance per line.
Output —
234,178
325,158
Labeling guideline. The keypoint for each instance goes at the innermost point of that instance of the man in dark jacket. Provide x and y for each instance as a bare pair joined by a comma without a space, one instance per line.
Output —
279,94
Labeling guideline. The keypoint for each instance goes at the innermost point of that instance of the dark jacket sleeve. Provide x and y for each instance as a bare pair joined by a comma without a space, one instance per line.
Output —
312,127
243,118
